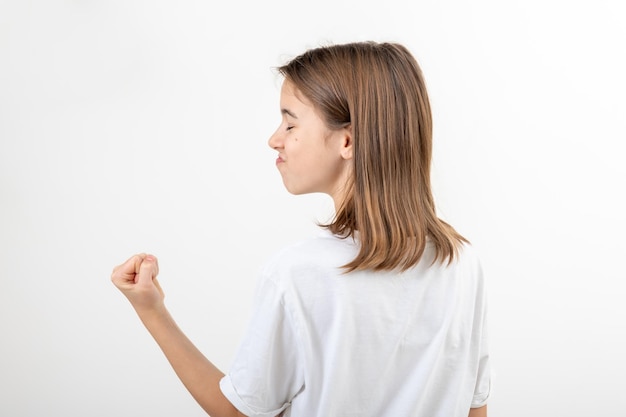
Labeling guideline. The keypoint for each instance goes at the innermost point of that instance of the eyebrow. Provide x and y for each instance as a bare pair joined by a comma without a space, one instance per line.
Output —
288,112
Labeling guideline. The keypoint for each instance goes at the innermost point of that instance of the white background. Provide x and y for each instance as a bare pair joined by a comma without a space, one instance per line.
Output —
130,126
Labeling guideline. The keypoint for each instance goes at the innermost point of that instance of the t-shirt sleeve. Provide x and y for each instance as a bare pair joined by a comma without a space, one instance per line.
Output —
266,373
483,380
483,377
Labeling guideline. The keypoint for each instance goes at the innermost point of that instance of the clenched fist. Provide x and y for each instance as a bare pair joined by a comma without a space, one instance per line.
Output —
136,278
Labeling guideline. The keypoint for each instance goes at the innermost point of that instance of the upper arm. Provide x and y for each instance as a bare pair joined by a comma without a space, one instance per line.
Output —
478,412
267,370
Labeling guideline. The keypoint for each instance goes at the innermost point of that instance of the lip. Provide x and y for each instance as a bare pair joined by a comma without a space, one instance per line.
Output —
279,160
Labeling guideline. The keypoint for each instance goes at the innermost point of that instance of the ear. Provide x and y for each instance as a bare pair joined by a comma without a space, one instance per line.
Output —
346,150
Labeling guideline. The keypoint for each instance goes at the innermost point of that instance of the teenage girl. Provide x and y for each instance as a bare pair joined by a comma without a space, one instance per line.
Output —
382,313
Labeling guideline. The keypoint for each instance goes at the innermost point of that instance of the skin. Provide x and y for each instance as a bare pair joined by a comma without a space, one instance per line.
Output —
311,158
137,279
478,412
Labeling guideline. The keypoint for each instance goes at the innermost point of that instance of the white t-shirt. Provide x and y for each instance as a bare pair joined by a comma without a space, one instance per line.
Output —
322,344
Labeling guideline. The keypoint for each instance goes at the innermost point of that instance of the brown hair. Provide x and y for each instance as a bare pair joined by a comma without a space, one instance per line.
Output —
378,90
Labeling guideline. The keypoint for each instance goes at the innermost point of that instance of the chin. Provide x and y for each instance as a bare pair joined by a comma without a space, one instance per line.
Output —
297,191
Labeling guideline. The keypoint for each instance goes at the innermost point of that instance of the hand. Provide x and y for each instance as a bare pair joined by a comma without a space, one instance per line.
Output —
136,279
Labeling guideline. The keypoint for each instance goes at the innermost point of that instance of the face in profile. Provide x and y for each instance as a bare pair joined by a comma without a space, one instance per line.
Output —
311,157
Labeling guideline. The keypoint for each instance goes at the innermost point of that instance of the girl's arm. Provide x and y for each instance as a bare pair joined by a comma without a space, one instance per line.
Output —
136,278
478,412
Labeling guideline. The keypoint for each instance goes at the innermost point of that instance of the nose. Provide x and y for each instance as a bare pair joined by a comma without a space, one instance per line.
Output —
275,141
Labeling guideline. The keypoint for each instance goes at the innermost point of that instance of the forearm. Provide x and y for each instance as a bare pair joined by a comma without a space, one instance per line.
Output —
197,373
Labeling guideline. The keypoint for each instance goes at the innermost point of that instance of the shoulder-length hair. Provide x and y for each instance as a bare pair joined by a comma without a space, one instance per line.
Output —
378,90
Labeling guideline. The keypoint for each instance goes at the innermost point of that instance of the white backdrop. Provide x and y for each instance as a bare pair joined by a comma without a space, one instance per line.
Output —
130,126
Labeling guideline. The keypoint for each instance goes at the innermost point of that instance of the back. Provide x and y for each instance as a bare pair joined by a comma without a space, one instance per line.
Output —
321,343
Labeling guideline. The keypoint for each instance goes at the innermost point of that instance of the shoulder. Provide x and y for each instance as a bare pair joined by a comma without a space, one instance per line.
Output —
324,251
469,254
469,265
464,268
